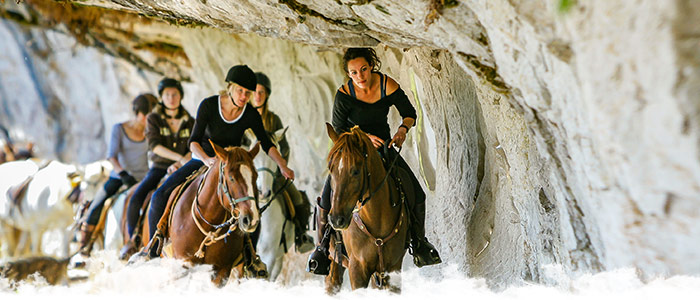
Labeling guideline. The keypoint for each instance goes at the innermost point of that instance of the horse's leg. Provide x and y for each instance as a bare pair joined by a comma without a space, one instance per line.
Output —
334,279
359,274
220,276
269,248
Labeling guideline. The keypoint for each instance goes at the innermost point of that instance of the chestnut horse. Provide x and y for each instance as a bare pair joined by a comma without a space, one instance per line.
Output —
371,219
208,223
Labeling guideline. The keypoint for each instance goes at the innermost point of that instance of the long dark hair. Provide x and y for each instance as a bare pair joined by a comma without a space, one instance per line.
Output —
143,103
367,53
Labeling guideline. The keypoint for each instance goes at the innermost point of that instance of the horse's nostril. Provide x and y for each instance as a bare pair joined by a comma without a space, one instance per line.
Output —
245,222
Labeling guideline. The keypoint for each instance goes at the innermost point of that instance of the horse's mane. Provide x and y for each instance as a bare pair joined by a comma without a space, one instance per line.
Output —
350,147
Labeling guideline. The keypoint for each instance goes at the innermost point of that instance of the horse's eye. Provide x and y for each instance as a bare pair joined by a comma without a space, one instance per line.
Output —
355,172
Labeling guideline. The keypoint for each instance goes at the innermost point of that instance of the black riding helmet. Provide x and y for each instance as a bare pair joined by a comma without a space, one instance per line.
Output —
243,76
172,83
264,81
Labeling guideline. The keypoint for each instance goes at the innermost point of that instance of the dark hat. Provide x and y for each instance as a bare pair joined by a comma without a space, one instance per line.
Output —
263,80
172,83
243,76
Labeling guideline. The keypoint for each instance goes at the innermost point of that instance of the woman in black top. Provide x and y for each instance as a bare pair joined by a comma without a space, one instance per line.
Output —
168,130
223,119
365,101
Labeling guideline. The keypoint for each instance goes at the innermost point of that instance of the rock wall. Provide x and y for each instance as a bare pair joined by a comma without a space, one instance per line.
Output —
548,134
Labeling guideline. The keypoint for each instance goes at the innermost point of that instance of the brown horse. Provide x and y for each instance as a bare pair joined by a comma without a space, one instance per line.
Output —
373,230
213,213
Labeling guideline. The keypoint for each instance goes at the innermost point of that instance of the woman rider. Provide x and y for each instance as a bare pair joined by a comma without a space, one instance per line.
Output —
128,154
365,101
272,124
168,130
223,119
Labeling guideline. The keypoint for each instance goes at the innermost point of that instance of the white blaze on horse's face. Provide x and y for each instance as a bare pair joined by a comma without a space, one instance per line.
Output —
341,165
247,175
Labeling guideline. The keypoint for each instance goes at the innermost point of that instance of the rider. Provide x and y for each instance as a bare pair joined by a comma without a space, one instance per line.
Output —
223,119
365,101
168,130
128,154
272,124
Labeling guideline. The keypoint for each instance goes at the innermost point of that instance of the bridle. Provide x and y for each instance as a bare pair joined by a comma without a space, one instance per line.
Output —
216,234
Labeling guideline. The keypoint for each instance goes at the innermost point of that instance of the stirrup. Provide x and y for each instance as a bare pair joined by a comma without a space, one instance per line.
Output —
128,250
424,253
256,269
319,263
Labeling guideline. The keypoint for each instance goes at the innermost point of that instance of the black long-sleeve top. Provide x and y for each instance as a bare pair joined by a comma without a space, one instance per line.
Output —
372,118
210,124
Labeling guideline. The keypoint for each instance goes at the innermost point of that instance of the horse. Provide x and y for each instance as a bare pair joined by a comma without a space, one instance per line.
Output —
211,215
14,176
277,230
369,219
47,202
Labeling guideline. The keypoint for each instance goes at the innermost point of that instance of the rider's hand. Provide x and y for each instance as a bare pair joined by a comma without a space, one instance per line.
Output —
376,141
287,173
399,137
127,179
209,161
172,168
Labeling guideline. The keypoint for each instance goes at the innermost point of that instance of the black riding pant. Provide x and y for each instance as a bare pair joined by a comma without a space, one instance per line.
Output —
108,190
160,197
148,183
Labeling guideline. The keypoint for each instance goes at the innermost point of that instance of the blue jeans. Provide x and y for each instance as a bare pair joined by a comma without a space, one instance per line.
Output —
108,190
160,198
148,183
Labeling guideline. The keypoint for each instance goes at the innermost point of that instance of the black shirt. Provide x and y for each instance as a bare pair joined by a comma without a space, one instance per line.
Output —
211,125
372,118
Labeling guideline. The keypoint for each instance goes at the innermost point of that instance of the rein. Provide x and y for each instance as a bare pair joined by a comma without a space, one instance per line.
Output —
215,235
287,182
388,172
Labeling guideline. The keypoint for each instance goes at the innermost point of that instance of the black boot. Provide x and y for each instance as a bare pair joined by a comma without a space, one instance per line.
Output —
319,263
303,242
424,253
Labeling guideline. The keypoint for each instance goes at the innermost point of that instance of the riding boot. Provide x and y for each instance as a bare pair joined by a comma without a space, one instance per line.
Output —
303,242
424,253
253,266
130,247
85,237
319,263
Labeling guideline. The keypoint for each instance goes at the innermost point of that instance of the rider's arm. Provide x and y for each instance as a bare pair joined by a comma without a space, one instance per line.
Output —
115,147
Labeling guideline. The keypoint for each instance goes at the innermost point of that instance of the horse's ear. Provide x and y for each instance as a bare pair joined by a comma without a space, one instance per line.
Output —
331,132
279,134
254,150
220,152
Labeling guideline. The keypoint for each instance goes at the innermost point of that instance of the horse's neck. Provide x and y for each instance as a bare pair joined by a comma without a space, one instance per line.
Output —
378,209
208,197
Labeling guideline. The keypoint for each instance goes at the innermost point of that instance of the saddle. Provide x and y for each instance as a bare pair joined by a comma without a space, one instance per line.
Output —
16,193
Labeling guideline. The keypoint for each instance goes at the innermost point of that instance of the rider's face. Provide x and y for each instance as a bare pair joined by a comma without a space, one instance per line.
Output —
171,97
260,95
360,72
239,95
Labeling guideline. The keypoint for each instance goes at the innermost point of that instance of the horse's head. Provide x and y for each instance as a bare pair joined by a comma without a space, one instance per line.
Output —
236,184
267,168
349,163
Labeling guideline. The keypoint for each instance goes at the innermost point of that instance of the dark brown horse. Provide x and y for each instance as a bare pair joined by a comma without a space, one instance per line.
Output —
373,230
214,212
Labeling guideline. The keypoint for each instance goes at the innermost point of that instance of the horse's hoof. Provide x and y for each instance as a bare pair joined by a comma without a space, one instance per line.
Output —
305,245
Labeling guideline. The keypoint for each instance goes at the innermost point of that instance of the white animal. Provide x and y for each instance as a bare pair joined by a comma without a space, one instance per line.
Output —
272,221
47,204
